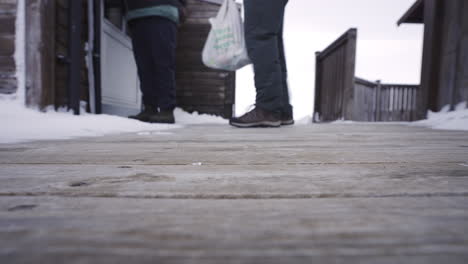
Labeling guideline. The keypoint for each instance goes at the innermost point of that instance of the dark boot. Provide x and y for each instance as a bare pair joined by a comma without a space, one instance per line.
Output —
257,118
287,119
163,117
145,115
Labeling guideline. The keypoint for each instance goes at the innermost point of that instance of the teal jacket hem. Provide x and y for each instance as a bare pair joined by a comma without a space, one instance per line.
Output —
167,11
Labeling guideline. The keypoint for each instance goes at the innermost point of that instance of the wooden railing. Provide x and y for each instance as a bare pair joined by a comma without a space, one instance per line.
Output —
341,95
334,78
375,101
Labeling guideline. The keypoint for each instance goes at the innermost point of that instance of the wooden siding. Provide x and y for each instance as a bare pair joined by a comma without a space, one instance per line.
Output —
61,46
61,52
444,73
8,82
453,67
39,54
200,88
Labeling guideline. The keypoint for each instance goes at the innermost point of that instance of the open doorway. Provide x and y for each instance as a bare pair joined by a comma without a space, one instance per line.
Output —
119,80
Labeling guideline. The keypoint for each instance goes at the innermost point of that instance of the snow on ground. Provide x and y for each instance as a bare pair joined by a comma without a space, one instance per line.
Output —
185,118
443,120
447,120
21,124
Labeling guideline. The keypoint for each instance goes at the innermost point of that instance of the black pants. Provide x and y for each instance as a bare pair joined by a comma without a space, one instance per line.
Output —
264,40
154,46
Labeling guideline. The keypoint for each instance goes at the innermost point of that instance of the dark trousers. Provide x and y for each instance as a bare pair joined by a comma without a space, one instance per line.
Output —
264,40
154,46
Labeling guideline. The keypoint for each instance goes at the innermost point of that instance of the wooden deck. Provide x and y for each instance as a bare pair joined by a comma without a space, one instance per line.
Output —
325,193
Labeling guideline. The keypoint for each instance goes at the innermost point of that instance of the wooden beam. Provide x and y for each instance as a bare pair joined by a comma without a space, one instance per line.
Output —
75,54
97,55
318,88
427,97
414,15
349,75
40,52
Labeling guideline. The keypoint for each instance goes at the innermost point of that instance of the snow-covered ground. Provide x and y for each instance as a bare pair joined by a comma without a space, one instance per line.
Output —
447,120
443,120
21,124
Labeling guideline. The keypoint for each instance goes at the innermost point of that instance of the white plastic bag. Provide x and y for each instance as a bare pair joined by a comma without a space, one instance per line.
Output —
225,47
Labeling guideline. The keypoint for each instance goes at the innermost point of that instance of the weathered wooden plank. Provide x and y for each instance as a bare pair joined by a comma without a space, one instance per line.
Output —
198,97
7,25
202,14
7,44
338,64
197,21
427,98
61,16
382,193
8,83
8,8
213,109
40,52
201,82
7,64
204,75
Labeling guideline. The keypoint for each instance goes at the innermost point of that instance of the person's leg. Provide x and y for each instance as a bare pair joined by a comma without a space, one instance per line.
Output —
163,50
263,27
286,109
140,30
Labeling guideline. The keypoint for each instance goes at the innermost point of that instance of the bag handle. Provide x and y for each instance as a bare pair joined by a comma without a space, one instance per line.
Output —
223,11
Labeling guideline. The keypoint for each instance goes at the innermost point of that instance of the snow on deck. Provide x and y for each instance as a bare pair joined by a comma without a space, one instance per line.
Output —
20,124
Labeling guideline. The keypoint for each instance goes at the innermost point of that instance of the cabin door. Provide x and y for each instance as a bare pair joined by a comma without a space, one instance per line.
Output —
120,86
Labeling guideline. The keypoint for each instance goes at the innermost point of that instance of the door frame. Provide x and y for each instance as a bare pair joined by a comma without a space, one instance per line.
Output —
101,27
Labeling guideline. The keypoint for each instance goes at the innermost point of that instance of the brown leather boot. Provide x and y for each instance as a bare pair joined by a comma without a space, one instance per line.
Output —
286,119
257,118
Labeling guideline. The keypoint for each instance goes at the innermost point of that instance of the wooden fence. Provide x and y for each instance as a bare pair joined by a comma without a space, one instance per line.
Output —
376,102
341,95
335,77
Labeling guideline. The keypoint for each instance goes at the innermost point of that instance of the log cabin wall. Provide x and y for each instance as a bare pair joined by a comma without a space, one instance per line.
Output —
8,82
61,46
200,88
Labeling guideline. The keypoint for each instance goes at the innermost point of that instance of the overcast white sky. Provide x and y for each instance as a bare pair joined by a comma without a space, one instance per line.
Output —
385,51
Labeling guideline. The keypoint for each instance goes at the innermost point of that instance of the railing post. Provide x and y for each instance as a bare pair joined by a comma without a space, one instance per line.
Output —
318,88
349,75
378,100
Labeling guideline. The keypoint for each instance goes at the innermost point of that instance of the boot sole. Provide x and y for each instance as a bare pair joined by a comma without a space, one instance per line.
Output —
161,122
257,124
139,119
287,123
